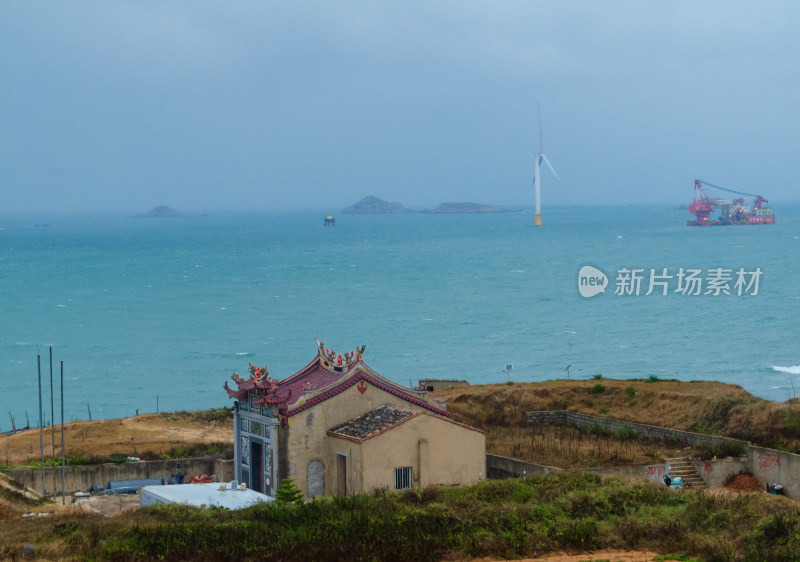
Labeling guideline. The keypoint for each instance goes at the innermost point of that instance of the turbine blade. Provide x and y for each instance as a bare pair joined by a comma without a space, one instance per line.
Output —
551,166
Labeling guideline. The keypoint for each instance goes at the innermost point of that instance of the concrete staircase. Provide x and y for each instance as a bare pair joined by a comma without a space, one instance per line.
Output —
682,466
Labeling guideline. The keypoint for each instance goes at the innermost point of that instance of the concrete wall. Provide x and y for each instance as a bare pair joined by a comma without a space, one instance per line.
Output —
776,467
505,467
766,465
653,472
441,384
306,436
440,452
586,421
715,472
81,478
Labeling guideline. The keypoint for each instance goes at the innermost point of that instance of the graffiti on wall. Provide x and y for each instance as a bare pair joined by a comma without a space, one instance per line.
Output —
767,461
656,472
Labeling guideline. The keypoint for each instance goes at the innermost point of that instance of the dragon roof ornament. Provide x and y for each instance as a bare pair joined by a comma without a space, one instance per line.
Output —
331,359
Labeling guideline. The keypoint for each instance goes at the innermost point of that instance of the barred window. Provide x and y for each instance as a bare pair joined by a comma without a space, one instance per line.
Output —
402,478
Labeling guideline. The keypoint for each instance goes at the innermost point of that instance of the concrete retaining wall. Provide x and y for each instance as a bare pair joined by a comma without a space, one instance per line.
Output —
586,421
771,466
716,472
81,478
766,465
505,467
652,472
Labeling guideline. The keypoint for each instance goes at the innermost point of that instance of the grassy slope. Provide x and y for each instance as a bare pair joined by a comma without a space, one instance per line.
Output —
514,518
498,519
702,406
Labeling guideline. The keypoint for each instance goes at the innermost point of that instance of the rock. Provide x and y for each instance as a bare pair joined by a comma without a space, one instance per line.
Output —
29,550
372,205
162,211
465,208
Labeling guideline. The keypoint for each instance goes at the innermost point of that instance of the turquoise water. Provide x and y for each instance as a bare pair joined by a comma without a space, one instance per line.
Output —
142,310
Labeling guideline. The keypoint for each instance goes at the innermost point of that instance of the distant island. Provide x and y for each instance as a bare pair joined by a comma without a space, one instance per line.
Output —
464,208
162,211
372,205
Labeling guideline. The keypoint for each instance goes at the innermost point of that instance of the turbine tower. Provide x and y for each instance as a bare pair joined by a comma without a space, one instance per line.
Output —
537,174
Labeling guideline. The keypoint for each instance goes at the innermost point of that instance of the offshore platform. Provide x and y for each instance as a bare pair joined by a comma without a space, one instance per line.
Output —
732,211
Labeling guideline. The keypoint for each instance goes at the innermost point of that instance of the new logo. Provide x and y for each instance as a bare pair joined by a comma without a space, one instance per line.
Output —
591,281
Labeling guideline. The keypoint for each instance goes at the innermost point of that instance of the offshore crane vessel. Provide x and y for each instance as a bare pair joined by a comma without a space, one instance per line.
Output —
732,211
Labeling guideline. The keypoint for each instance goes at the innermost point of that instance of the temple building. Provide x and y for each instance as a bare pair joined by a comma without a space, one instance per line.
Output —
336,427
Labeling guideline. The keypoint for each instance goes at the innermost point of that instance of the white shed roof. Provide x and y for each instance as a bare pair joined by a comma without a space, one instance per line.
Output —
203,494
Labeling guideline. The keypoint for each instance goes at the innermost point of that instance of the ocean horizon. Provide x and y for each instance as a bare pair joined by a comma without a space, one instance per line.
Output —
146,311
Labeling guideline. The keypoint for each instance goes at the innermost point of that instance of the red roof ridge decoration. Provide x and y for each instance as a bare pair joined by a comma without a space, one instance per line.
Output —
259,381
328,377
330,359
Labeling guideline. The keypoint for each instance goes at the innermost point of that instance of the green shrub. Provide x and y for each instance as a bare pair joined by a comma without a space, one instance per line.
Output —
626,432
652,378
727,448
630,391
598,389
598,377
288,492
509,519
790,419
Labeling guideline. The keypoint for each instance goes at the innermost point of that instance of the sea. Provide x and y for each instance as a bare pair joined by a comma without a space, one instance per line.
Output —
157,314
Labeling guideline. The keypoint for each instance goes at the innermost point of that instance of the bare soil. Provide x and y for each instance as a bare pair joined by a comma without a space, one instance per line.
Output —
155,433
745,483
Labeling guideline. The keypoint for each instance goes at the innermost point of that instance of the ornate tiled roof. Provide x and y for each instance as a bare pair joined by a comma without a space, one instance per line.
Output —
324,377
373,422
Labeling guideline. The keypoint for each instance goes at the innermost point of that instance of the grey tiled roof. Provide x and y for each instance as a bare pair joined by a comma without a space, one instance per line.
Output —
373,422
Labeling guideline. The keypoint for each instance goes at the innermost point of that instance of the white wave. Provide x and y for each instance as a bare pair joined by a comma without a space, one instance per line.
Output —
243,353
795,370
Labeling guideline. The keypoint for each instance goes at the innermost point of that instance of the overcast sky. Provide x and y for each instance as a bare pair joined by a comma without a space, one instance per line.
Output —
123,105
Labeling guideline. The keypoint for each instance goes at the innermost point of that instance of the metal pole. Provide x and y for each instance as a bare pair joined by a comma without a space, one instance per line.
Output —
63,466
52,423
41,424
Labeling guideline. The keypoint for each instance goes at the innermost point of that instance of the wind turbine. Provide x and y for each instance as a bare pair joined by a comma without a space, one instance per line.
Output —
537,174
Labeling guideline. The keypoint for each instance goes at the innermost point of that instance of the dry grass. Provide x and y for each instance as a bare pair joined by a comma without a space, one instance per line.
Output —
156,433
567,447
703,406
